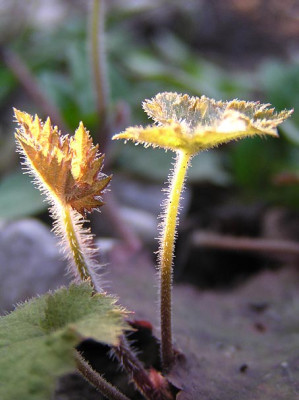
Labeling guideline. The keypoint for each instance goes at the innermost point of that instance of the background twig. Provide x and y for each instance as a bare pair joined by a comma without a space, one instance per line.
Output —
99,68
226,242
30,84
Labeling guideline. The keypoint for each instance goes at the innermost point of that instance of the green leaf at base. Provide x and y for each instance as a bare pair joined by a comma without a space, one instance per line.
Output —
37,339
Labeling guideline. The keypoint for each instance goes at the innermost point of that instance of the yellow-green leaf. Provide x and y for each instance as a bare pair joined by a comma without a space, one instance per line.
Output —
193,124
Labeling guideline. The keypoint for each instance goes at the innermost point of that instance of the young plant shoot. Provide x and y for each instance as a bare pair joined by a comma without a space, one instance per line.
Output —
188,125
68,170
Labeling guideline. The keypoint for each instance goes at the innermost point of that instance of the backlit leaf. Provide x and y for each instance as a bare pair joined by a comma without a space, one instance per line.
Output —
67,167
193,124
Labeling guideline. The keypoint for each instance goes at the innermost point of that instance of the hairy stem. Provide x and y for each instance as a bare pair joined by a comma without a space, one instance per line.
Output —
134,367
69,227
169,224
95,379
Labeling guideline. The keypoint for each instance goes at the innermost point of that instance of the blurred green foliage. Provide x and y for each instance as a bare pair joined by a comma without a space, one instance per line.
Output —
154,164
18,197
138,68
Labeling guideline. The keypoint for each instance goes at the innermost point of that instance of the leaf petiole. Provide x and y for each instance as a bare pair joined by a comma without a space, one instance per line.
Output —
167,240
68,225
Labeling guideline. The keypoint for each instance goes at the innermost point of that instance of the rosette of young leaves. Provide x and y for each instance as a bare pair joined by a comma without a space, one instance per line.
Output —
37,340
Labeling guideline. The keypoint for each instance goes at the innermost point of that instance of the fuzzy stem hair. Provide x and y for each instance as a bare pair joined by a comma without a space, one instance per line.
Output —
76,240
76,243
167,241
130,362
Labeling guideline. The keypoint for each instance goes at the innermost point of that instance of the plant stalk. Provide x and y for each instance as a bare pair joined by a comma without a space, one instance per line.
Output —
169,224
102,94
139,375
99,67
96,380
77,240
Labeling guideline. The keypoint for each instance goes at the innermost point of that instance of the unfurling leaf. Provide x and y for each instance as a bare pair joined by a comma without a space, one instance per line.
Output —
37,340
67,168
193,124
